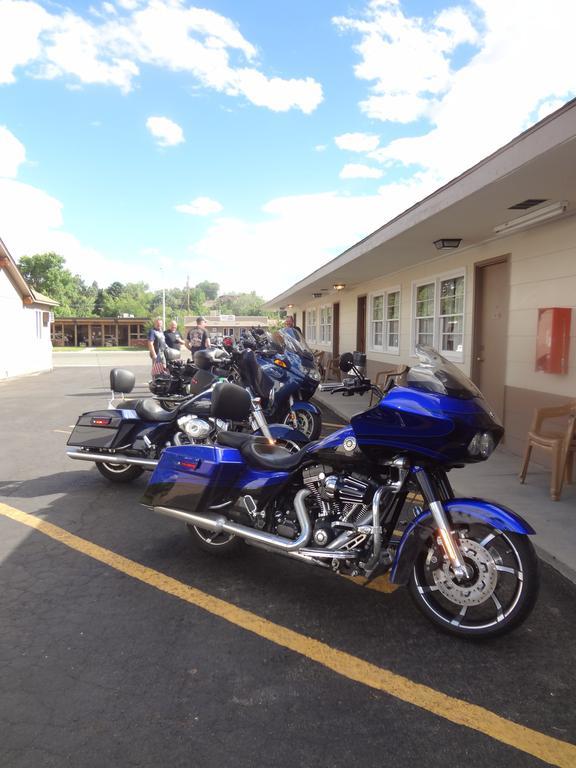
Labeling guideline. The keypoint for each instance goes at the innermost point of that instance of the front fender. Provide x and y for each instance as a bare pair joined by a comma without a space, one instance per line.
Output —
304,405
284,432
458,511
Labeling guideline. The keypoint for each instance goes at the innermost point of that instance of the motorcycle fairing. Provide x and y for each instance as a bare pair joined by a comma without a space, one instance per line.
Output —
195,477
428,424
458,511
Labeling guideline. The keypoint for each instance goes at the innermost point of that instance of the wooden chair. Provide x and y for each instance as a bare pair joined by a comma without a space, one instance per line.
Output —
332,367
382,378
319,359
561,445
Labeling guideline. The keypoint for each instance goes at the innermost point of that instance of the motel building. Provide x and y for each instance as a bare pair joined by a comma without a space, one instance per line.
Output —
484,270
25,317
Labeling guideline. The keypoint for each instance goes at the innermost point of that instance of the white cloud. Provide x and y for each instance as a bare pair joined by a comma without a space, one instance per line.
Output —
200,206
357,142
360,171
406,58
477,107
110,48
320,148
12,153
166,132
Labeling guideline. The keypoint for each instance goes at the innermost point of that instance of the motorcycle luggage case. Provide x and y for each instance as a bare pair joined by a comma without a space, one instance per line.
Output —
194,477
103,429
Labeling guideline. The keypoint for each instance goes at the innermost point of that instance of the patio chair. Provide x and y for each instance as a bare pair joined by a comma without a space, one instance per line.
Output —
383,378
561,444
332,367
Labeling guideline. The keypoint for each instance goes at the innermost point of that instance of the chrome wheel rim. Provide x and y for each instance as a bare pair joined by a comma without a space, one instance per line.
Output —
488,597
212,538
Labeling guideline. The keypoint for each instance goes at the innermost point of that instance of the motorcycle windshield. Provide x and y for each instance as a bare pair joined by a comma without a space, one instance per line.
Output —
437,375
291,340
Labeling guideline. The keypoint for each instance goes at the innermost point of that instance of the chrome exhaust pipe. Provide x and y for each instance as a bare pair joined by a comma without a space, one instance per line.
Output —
115,458
221,524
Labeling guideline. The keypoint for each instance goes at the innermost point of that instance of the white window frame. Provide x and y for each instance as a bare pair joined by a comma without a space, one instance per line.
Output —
312,327
437,280
38,321
384,347
325,329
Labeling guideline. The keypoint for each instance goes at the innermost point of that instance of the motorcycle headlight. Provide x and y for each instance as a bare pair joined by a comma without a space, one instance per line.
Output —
314,375
482,444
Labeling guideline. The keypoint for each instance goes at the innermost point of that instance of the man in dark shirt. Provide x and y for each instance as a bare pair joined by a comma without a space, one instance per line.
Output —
197,337
156,347
172,336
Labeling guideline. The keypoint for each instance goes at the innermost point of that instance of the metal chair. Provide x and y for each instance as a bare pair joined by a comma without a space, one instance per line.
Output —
561,444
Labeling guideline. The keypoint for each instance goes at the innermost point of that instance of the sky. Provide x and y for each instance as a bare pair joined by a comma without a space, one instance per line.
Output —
250,142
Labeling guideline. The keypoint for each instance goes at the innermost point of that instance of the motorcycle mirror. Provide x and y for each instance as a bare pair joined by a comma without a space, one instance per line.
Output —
346,362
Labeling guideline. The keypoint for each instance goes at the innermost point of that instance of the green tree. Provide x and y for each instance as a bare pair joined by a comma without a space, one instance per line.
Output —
242,304
47,274
210,290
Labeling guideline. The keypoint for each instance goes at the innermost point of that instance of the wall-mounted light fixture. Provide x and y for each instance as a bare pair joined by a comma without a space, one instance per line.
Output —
289,306
534,217
447,243
339,286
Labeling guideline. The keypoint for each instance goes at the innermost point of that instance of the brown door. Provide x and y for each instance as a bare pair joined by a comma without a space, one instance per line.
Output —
491,331
361,324
336,330
303,329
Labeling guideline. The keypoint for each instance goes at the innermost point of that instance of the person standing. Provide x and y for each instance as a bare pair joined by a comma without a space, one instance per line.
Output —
172,336
197,338
156,347
289,324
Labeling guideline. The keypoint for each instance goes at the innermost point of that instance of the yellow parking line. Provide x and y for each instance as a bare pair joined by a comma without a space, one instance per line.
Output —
546,748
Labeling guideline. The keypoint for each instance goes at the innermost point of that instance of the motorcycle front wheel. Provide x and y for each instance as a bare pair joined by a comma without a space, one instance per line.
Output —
307,422
498,594
119,473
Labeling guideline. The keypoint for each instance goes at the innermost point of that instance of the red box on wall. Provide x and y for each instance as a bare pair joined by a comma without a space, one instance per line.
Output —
553,339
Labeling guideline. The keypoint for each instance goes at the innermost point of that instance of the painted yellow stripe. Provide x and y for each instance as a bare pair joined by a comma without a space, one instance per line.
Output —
550,750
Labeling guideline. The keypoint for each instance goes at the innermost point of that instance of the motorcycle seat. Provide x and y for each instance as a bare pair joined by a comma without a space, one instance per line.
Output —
261,455
234,439
198,408
151,410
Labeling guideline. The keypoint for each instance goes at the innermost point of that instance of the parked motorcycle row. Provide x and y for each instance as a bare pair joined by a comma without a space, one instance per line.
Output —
237,458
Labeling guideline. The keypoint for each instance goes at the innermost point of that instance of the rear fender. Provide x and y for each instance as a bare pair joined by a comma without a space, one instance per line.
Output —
459,511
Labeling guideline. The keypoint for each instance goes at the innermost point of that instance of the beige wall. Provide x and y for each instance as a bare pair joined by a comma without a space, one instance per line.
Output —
542,274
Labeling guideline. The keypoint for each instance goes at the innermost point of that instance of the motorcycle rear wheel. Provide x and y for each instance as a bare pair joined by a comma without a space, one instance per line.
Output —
499,595
220,544
119,473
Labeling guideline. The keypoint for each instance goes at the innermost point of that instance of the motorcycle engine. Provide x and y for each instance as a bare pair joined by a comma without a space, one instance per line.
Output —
195,429
337,498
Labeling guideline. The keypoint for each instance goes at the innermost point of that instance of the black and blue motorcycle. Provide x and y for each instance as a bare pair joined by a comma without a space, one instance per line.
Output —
281,370
372,497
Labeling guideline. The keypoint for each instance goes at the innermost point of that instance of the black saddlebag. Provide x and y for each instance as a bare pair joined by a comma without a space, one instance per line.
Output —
104,429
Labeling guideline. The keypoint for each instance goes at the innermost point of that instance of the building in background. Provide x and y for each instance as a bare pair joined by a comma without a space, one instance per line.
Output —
228,325
25,316
100,331
484,270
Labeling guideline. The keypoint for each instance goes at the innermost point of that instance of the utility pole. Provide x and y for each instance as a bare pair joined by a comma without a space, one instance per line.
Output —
188,291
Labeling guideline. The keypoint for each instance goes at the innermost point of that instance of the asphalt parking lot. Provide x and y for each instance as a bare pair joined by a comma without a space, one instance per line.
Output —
121,644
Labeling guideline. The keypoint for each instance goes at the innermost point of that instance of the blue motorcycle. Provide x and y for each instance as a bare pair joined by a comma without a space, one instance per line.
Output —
372,497
280,369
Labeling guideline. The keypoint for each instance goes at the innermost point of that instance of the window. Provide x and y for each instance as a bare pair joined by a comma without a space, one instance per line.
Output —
452,315
325,325
385,321
38,319
439,315
311,325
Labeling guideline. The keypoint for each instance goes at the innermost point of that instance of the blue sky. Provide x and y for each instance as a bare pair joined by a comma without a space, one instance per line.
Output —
249,142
